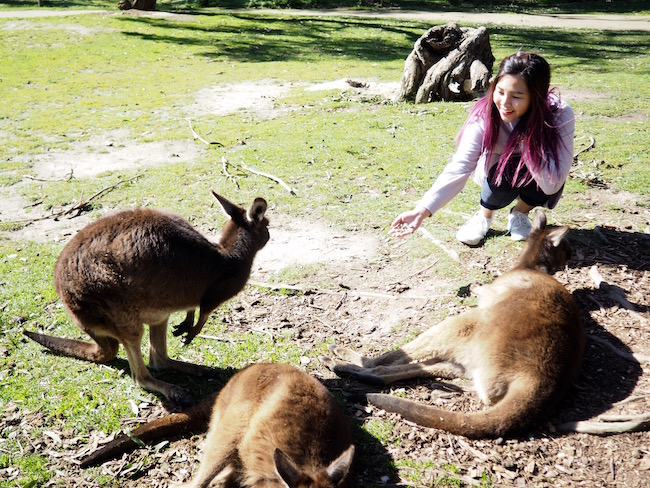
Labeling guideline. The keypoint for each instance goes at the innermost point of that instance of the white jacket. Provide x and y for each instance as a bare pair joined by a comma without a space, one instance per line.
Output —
470,160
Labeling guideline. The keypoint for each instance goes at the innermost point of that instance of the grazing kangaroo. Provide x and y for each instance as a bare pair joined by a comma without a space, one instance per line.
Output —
522,346
139,266
272,426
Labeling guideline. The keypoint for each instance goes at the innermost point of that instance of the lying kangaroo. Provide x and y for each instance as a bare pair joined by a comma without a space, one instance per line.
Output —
139,266
272,426
522,346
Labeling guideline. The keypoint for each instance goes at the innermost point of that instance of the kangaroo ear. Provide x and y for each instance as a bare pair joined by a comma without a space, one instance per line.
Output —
285,468
257,210
340,467
556,235
539,221
228,207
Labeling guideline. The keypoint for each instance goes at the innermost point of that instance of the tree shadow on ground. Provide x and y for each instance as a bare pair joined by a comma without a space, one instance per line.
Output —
256,38
259,38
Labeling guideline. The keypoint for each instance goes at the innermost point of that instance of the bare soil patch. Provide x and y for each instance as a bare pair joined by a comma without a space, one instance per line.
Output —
114,151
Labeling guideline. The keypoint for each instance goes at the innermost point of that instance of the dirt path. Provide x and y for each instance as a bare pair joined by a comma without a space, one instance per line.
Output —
560,21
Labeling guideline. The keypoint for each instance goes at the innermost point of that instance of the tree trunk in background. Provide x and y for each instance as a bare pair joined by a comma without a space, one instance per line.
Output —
448,63
137,4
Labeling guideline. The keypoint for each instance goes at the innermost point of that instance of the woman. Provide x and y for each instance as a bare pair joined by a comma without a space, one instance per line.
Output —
518,143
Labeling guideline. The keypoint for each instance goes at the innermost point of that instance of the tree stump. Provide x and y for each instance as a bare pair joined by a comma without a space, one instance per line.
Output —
448,63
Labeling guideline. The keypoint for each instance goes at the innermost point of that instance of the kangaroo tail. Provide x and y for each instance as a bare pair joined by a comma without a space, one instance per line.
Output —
514,411
104,349
195,420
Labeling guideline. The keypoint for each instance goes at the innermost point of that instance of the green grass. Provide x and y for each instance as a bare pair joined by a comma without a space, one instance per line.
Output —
382,430
354,162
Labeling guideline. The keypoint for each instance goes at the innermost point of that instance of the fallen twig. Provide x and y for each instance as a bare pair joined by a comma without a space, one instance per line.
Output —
68,177
475,452
592,144
450,252
301,289
79,207
606,426
196,136
219,339
306,290
82,205
269,176
224,167
644,417
632,357
426,268
631,399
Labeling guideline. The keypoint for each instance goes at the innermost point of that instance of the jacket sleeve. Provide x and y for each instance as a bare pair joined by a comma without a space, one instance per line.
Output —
453,178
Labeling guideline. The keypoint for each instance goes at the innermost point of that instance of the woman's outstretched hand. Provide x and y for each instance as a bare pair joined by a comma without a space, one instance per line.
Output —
408,222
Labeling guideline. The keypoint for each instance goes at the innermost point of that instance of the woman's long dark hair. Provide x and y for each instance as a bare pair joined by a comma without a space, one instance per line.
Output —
536,134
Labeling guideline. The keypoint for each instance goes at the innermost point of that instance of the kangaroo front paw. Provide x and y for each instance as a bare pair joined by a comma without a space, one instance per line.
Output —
185,327
191,334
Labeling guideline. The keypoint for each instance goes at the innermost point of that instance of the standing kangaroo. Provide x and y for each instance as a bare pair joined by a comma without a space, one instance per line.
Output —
272,426
139,266
522,346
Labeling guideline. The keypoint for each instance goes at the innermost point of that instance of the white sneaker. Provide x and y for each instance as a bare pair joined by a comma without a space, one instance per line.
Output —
519,225
474,230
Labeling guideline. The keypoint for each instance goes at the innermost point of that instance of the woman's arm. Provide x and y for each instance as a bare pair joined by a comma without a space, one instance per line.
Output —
448,184
454,177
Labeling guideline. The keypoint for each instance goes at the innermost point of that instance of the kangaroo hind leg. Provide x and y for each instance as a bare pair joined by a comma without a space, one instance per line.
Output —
445,341
385,375
160,360
142,377
349,356
350,363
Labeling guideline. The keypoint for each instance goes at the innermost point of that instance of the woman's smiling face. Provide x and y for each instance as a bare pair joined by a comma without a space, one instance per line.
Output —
511,97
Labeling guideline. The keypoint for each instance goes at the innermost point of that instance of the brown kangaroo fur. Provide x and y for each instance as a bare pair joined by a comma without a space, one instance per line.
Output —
139,266
272,426
522,346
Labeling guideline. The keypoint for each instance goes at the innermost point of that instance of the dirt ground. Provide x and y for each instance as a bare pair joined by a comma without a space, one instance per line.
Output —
378,290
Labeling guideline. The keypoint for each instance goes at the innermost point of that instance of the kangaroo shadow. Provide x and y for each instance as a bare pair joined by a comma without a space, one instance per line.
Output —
214,379
201,387
606,377
373,464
